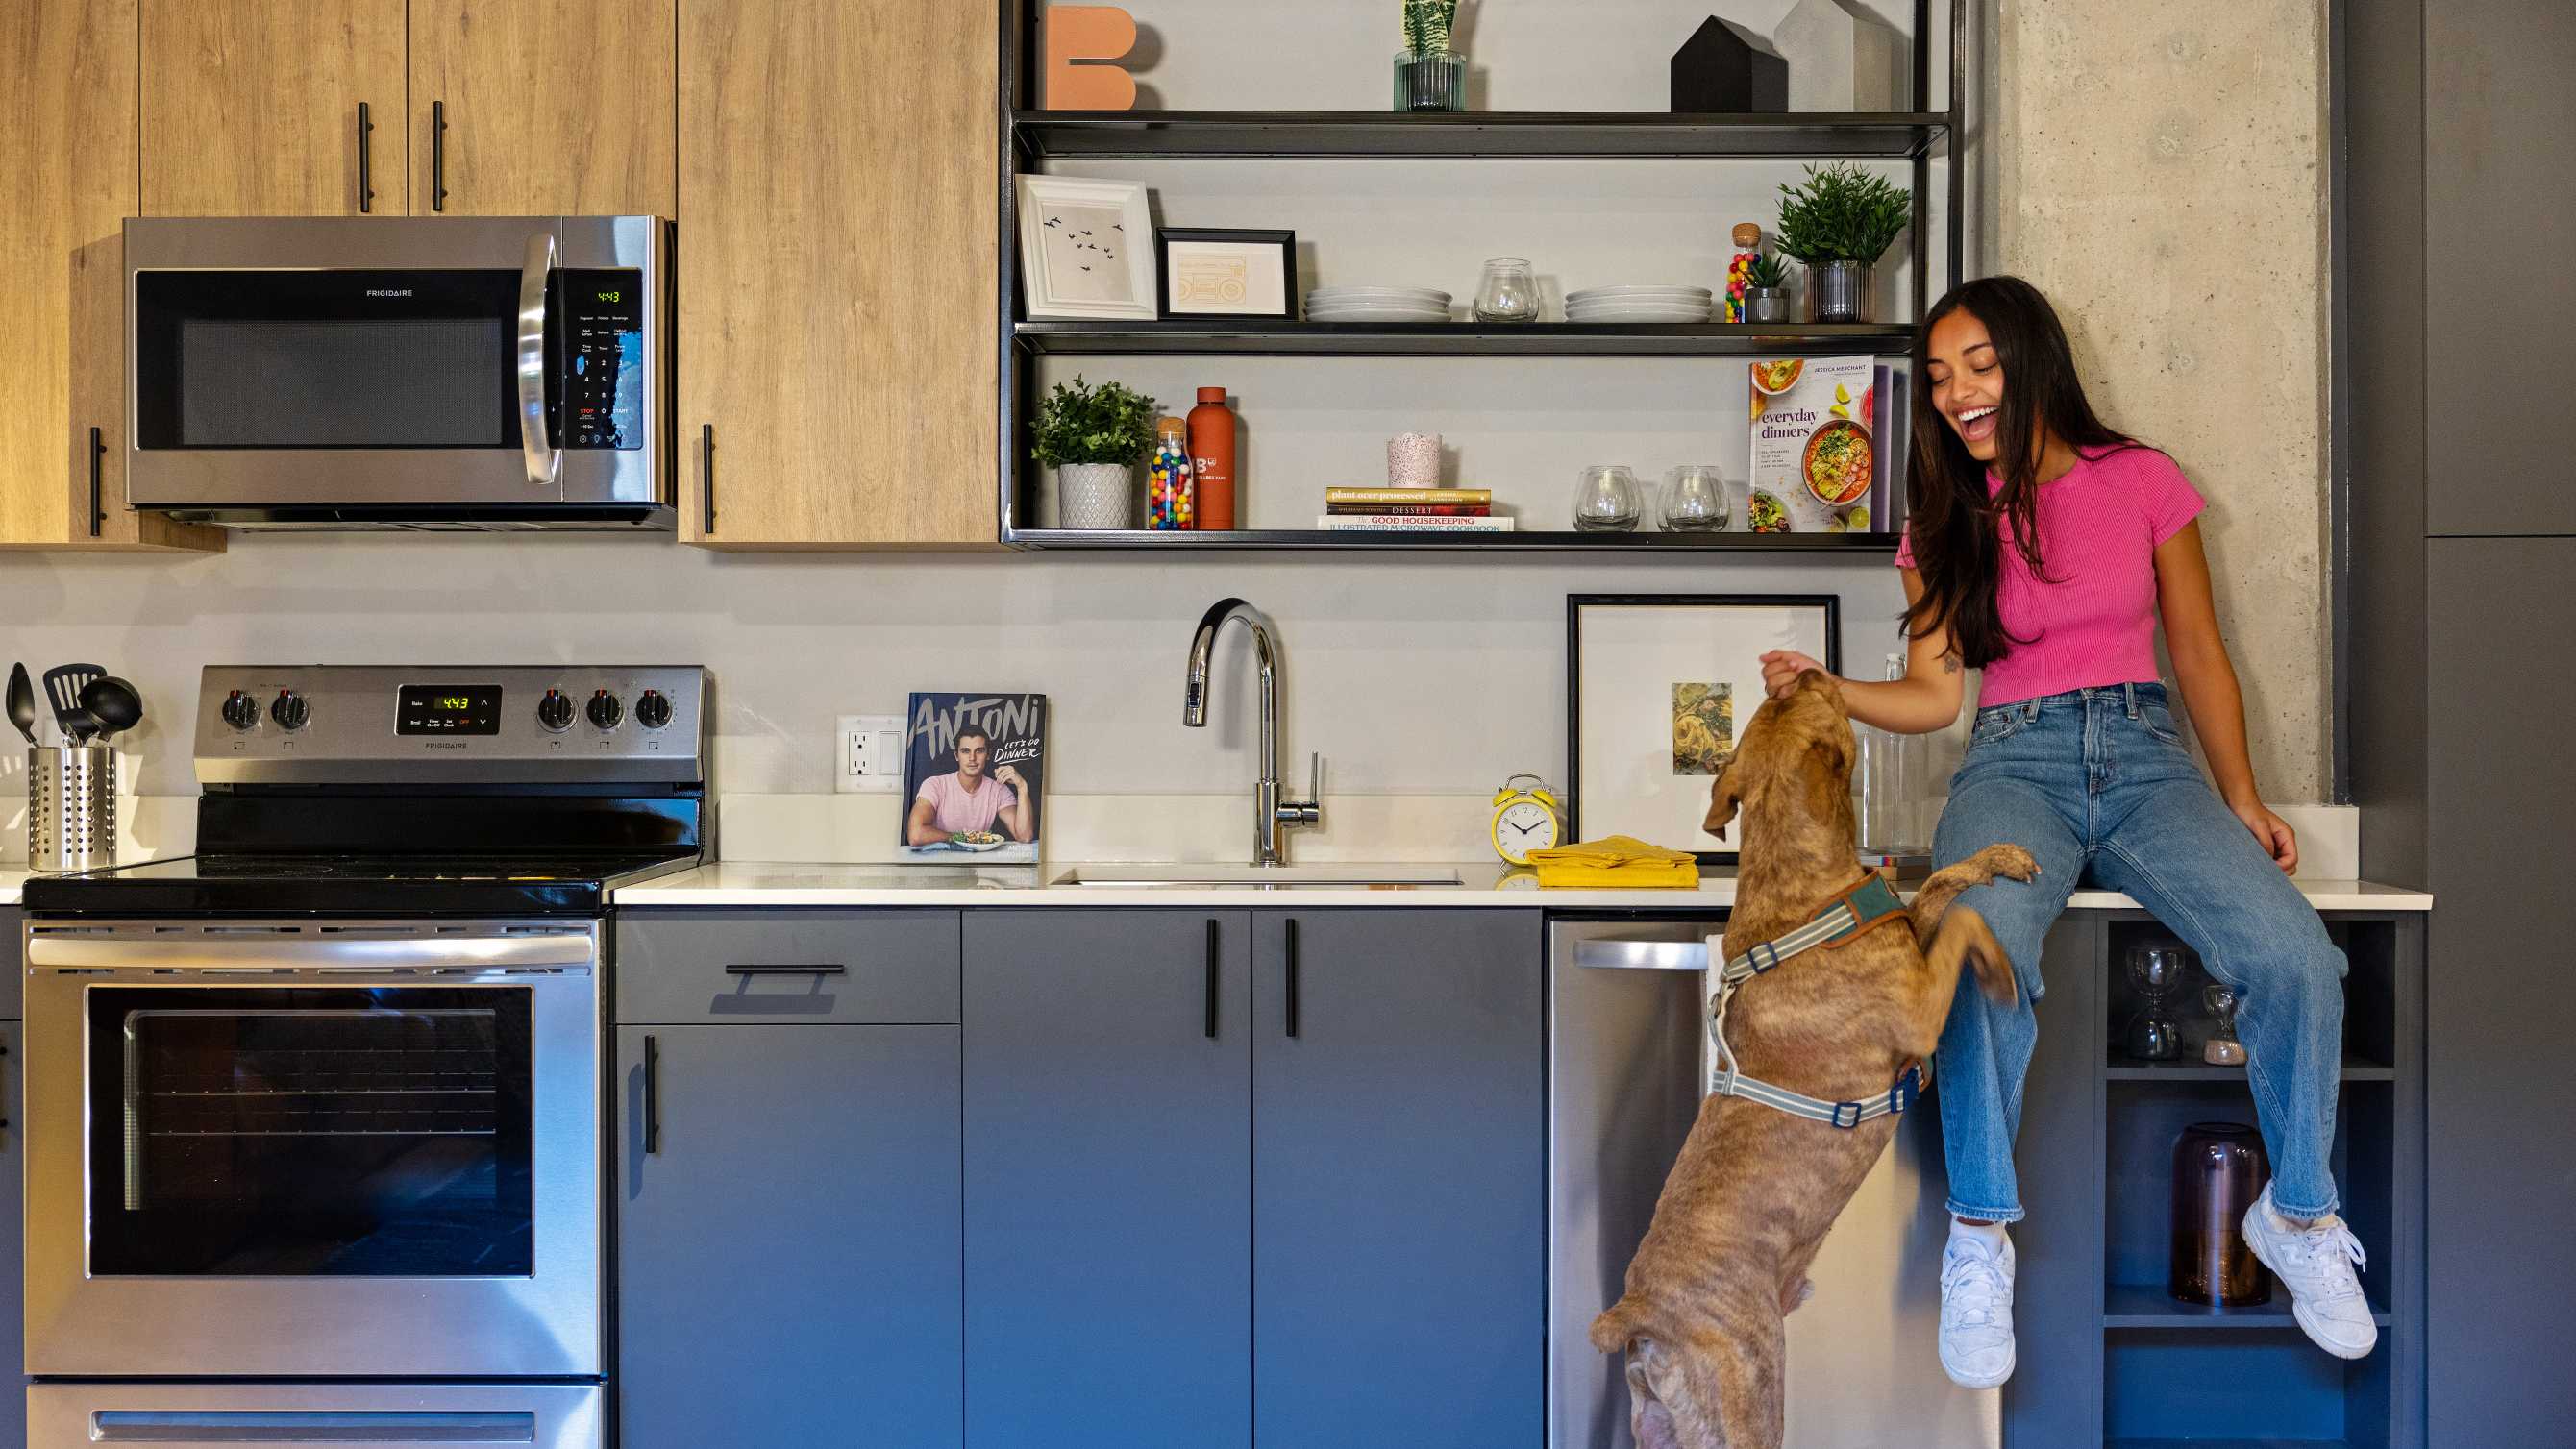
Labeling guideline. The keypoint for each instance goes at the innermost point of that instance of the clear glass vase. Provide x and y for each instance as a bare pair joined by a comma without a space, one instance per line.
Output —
1430,82
1895,785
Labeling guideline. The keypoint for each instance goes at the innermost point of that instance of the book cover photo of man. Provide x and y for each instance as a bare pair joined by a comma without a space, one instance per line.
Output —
973,775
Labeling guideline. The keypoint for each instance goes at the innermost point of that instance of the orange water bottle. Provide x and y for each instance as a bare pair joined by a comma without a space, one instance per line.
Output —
1212,459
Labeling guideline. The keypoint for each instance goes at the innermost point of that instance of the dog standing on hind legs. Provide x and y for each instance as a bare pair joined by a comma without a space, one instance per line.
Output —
1755,1189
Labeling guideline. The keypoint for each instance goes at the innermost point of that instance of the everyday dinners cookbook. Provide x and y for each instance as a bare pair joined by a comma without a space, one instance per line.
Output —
1814,458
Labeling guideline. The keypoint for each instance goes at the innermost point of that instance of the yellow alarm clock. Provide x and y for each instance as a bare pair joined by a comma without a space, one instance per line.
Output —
1526,819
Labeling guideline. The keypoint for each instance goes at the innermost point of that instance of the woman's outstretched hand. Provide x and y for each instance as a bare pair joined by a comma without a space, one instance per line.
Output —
2272,832
1781,668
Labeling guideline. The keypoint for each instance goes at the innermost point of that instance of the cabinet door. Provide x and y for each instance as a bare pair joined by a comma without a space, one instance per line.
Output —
67,167
2498,1156
838,170
2500,107
250,107
1399,1179
551,107
13,1356
787,1239
1108,1179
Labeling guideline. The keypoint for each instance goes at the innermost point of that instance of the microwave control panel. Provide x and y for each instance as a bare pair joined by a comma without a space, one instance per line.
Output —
601,352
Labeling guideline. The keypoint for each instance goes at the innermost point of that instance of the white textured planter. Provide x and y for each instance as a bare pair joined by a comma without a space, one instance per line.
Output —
1096,495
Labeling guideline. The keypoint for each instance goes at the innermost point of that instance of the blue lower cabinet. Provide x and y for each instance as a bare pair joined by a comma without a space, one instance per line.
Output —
1108,1180
787,1230
1399,1156
1237,1176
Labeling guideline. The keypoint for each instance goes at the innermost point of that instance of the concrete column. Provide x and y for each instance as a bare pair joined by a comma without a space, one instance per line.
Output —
2160,171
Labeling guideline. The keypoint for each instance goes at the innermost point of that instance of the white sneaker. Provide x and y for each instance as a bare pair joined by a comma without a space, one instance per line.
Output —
2318,1264
1976,1307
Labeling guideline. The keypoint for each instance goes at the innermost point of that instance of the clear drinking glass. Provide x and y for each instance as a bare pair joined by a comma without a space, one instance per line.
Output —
2156,969
1509,292
1694,499
1606,500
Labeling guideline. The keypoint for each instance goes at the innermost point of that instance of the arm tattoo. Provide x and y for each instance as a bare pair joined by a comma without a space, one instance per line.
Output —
1949,664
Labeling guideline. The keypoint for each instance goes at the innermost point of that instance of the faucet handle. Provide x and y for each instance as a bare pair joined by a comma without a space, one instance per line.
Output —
1306,814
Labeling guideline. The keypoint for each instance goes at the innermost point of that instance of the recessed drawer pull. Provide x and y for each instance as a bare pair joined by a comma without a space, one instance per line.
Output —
817,970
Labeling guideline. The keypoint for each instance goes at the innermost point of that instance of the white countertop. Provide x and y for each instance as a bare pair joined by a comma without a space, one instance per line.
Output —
763,883
12,877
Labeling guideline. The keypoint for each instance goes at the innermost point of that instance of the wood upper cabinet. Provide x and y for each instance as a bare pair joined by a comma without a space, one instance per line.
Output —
68,89
837,317
252,109
550,107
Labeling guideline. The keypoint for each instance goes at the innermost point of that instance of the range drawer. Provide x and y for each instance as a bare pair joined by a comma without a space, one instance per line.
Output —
889,967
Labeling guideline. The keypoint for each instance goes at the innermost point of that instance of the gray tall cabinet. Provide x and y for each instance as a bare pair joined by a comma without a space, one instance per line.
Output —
2458,197
13,1166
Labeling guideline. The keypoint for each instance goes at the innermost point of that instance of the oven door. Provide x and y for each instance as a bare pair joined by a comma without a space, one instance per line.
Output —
434,367
313,1149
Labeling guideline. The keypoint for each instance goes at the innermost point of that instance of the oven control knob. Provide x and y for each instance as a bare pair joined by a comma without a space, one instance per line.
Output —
240,710
289,710
605,711
555,710
652,709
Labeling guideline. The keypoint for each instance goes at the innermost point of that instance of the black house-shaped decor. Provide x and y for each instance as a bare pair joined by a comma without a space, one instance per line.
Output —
1723,68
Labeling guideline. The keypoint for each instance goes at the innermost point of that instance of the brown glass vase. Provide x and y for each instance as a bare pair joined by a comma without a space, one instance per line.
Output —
2218,1171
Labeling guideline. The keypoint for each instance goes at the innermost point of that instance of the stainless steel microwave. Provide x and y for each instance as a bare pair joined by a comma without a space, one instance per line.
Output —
423,372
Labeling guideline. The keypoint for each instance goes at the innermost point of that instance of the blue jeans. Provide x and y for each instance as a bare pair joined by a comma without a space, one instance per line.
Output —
2096,784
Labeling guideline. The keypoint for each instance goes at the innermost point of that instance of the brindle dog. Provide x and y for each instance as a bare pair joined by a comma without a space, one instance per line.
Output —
1755,1190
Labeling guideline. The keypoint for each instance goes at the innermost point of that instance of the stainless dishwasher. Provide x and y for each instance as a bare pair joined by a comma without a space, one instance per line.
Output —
1627,1069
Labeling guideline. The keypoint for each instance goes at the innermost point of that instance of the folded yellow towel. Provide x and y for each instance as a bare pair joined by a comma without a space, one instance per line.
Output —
1615,862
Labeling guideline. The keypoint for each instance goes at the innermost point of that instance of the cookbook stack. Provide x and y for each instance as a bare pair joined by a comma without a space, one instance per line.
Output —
1411,510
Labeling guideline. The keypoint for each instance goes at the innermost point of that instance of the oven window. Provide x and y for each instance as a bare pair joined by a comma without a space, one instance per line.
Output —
295,1132
326,359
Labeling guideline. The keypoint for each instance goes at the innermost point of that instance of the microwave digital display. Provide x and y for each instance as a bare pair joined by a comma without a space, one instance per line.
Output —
448,709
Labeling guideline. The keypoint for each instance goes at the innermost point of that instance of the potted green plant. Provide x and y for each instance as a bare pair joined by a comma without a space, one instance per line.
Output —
1839,222
1428,75
1092,437
1766,289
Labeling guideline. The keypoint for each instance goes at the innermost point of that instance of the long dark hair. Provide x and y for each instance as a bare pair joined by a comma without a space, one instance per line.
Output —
1957,529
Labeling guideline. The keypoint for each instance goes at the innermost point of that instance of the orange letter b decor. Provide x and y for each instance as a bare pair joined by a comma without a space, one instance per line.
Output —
1097,34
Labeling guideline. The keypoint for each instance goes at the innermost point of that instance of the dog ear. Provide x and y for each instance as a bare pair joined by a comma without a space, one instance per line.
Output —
1724,794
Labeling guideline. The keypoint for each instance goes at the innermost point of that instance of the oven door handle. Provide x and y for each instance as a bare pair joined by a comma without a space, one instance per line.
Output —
543,460
487,953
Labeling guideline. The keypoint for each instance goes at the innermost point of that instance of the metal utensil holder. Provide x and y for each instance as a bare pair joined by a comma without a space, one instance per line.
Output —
71,807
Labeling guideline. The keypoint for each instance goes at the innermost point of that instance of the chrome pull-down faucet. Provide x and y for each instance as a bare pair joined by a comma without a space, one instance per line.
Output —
1272,816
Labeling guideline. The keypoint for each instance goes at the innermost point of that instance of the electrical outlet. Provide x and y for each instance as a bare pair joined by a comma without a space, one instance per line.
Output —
870,757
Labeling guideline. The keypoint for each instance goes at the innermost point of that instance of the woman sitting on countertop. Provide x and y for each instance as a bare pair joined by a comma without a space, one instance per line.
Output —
2044,548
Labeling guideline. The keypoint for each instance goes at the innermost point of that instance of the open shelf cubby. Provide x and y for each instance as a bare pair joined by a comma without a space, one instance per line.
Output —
1173,148
2149,1372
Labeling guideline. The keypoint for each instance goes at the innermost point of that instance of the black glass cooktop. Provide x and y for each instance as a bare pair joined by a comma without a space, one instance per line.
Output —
351,885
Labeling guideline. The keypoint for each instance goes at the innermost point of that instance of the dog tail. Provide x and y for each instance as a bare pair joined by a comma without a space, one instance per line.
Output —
1963,939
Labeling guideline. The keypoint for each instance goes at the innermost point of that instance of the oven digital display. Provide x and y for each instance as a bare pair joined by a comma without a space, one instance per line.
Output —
449,709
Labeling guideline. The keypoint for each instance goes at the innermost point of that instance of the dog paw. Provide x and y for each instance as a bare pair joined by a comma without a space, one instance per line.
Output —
2012,862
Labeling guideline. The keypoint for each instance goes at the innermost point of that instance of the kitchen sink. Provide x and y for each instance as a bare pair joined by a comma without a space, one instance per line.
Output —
1256,877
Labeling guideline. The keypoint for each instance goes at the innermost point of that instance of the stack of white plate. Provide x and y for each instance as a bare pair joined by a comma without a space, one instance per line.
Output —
1639,304
1376,304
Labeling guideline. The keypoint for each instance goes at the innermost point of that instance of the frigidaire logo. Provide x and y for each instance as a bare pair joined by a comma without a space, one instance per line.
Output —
389,291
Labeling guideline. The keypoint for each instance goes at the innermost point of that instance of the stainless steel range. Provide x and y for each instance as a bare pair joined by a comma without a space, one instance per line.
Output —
325,1100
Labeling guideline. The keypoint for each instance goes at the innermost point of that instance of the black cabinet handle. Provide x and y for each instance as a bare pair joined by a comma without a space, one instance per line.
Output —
707,475
1215,946
1291,925
652,1095
366,176
438,155
787,970
97,461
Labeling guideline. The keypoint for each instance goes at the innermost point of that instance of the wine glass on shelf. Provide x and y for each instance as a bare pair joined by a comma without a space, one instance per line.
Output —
2156,969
